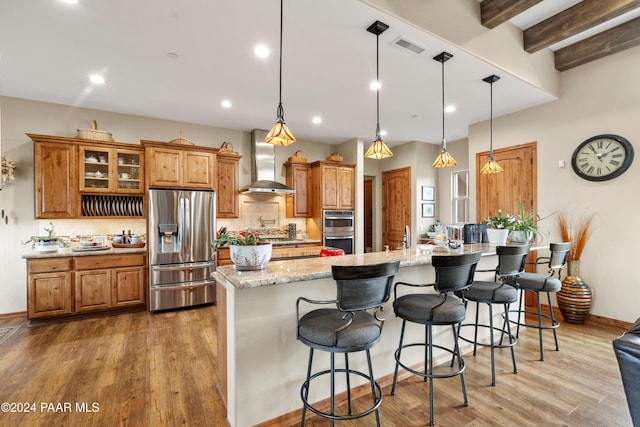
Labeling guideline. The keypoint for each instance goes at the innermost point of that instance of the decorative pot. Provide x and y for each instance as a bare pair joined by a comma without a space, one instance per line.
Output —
519,237
575,297
497,236
250,257
47,245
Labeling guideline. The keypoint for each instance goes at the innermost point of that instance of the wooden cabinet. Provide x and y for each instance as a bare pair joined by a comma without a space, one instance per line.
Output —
176,166
56,180
49,287
78,178
332,185
111,170
299,178
84,284
228,204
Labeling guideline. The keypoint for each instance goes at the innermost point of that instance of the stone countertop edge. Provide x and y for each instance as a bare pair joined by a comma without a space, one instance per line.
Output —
67,252
289,271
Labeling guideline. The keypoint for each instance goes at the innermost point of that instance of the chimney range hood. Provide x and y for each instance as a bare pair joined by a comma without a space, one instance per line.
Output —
263,167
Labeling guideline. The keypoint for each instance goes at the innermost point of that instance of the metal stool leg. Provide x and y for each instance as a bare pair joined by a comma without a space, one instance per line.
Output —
429,368
373,389
492,346
456,349
553,322
511,341
475,334
306,395
520,312
333,387
540,327
346,365
395,372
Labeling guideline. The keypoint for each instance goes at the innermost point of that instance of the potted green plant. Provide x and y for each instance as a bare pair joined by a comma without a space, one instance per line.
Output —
498,227
48,243
524,228
246,250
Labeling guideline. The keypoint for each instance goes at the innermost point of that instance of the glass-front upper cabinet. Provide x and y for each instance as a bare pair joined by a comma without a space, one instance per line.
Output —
110,170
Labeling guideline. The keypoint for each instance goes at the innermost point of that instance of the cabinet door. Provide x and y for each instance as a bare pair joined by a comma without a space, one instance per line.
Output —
128,174
164,167
93,290
56,176
227,191
330,189
299,178
346,183
49,294
199,170
96,174
128,286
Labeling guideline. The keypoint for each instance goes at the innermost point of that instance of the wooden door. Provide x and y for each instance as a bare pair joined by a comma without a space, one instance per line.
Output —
228,205
164,167
396,206
299,178
56,176
93,290
346,183
368,214
49,294
128,286
330,189
506,190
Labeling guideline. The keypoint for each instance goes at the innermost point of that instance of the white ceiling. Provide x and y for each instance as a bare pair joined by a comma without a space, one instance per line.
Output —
48,49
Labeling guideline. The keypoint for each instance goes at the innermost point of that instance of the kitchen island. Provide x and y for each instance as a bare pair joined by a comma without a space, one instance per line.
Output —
261,365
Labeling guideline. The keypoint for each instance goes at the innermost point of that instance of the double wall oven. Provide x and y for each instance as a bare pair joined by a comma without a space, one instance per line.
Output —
338,229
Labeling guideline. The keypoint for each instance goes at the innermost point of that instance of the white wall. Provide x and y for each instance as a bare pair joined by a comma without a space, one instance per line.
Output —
597,98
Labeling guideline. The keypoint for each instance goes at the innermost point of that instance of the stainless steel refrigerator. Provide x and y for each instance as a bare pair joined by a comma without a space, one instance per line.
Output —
182,225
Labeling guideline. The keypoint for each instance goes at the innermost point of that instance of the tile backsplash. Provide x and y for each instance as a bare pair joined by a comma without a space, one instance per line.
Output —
266,212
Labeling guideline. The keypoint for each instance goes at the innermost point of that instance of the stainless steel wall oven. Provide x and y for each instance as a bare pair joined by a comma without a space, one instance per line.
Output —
338,229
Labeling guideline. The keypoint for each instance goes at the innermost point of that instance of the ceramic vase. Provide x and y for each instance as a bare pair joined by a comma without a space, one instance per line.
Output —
47,245
253,257
520,237
575,297
497,236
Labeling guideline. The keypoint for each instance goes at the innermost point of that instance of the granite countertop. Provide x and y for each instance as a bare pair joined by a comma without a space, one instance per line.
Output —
296,242
66,252
288,271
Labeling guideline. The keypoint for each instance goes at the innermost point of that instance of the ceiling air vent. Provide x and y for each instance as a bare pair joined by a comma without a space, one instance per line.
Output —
403,43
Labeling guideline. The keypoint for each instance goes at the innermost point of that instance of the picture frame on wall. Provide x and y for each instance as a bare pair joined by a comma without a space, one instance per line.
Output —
428,210
428,193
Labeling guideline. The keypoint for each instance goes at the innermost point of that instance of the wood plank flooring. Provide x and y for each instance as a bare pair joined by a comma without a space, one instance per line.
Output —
144,369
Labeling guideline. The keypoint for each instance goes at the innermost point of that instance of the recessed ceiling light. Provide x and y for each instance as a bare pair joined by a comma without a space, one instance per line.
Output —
261,51
375,85
226,103
450,108
96,79
69,1
317,120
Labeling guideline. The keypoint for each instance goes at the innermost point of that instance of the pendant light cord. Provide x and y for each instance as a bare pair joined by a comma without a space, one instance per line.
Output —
280,112
491,124
444,142
377,87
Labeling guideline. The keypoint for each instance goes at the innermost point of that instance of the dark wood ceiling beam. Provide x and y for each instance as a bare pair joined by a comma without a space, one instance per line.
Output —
574,20
495,12
616,39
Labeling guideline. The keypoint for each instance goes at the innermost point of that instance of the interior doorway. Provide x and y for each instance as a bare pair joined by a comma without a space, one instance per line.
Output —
368,214
396,206
506,190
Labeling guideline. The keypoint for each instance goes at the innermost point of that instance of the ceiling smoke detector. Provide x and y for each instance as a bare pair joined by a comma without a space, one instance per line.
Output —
403,43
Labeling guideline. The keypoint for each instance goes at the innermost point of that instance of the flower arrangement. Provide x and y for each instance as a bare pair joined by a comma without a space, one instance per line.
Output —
7,171
577,236
244,238
50,238
500,220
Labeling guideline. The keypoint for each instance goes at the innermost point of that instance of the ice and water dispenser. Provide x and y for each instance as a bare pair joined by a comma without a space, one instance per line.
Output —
168,243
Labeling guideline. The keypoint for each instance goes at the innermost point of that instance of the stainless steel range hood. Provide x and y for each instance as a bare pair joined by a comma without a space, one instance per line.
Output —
263,167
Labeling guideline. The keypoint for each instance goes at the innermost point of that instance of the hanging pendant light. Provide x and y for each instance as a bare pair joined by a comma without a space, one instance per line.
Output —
491,166
444,159
280,133
378,149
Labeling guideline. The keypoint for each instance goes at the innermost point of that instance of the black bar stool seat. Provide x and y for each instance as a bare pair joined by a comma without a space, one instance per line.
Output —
352,326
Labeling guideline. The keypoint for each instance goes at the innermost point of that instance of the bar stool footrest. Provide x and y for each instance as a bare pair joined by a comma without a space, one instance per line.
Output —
507,334
432,375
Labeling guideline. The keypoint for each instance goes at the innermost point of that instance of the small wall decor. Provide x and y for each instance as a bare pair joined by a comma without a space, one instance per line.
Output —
428,210
428,193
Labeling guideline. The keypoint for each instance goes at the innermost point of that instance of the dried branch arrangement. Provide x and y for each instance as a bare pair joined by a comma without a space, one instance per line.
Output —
578,236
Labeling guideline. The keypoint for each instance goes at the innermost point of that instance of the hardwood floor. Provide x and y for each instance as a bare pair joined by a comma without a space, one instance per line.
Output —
158,369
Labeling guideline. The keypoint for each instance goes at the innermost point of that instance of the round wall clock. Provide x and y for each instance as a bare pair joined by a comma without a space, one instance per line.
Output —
602,157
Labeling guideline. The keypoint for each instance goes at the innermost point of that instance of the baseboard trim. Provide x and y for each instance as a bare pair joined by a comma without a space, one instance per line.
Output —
592,318
20,315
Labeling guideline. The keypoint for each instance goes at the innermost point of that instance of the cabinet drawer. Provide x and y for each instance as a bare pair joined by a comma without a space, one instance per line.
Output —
48,265
109,261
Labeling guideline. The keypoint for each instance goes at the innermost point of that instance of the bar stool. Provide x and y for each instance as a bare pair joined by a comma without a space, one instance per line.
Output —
348,328
537,282
453,273
511,262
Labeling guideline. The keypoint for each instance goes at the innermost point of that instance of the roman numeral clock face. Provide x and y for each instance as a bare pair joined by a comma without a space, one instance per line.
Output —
602,157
